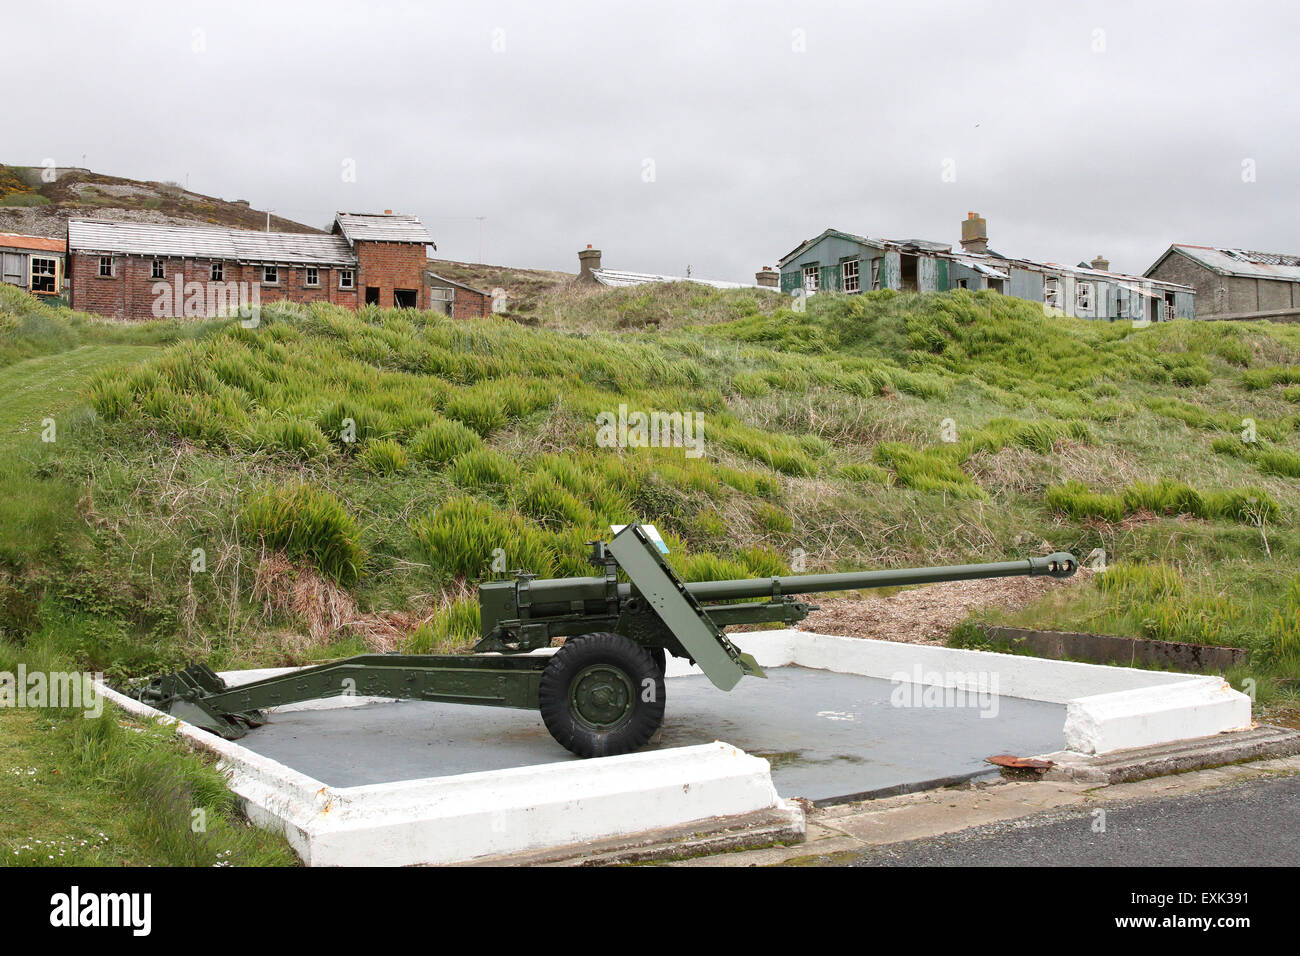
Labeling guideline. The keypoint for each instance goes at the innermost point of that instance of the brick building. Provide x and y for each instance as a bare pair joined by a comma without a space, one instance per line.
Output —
1234,283
136,270
458,300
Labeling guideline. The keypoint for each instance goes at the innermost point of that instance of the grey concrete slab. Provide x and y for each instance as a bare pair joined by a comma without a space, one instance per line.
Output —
827,735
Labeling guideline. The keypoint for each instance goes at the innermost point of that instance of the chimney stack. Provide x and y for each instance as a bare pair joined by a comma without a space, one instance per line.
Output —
588,262
768,278
1100,264
974,233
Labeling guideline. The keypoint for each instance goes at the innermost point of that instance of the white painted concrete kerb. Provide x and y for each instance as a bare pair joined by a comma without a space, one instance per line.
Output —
1107,708
451,819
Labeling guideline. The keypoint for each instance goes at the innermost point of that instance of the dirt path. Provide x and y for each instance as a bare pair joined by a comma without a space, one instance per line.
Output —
926,615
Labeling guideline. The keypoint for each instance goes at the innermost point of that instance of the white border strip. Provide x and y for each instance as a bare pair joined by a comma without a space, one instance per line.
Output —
1107,708
451,819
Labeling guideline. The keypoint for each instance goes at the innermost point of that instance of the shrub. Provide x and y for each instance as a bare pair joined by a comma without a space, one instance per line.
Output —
483,468
926,470
709,567
762,562
461,538
442,441
453,627
1076,500
383,457
544,498
305,522
773,519
292,435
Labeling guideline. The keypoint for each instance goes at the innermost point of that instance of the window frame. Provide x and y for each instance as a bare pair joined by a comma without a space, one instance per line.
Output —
157,269
1083,297
347,280
217,272
306,277
815,274
1052,291
52,275
268,270
111,262
856,275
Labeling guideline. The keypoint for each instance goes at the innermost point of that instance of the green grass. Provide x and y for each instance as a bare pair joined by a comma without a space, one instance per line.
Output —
404,456
80,789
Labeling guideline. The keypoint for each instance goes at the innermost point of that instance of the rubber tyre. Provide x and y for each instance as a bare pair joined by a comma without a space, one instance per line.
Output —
625,671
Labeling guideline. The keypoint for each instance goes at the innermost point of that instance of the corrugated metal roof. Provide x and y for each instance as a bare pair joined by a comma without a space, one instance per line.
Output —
459,285
204,242
1007,262
615,278
389,227
981,267
12,240
1244,262
799,249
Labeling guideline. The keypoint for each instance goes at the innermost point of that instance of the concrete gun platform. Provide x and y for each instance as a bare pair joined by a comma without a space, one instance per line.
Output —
362,781
827,735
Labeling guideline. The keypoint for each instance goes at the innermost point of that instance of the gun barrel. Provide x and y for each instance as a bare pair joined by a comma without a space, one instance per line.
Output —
556,595
1059,565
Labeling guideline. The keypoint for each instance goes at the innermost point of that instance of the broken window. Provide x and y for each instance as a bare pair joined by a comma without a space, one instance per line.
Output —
405,298
875,273
811,278
1052,292
106,267
45,273
156,270
963,284
372,295
271,275
218,272
849,276
1083,297
345,279
312,277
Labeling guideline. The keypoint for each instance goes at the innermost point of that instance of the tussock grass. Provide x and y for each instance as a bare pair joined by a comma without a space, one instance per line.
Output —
308,522
822,432
1250,504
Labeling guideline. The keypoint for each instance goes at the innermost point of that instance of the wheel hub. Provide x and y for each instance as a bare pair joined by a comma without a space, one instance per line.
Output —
602,697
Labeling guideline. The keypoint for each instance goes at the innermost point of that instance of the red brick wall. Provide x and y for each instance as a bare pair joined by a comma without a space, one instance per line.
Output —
389,266
130,293
470,305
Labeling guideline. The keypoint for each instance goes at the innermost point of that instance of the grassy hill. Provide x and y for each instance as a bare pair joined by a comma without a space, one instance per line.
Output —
332,481
32,206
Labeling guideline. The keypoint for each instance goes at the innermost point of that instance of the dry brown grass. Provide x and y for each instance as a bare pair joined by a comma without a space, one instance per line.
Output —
326,611
927,615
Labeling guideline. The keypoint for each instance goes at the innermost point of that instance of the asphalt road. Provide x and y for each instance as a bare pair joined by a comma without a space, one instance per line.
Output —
1249,824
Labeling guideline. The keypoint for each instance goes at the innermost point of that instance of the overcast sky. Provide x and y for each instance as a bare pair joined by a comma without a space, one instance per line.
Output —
712,134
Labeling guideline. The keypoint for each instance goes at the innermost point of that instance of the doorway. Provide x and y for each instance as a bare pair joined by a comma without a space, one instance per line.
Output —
372,295
907,273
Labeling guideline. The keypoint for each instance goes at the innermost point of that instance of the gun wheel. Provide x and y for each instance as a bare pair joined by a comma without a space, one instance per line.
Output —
601,695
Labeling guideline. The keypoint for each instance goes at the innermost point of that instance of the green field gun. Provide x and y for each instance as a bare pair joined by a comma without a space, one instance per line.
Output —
602,692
